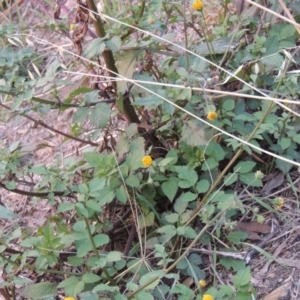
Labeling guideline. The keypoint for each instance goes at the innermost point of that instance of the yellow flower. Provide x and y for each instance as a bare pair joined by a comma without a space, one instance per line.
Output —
211,115
207,297
147,161
72,27
151,19
278,202
202,283
69,298
197,5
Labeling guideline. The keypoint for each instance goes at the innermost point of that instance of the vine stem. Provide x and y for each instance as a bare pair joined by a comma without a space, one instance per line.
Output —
43,124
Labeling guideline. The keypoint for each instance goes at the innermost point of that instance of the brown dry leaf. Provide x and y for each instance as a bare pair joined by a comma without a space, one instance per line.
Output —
290,262
252,228
274,180
188,281
280,293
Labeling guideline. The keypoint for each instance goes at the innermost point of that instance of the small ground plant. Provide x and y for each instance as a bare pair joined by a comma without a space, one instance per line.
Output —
175,118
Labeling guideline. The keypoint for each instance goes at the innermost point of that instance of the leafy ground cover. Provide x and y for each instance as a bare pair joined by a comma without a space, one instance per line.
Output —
150,150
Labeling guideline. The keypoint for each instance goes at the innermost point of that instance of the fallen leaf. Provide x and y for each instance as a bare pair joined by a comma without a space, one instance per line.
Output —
274,180
252,228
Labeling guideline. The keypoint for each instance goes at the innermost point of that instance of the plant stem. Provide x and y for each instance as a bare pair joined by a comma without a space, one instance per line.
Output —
109,278
187,250
185,37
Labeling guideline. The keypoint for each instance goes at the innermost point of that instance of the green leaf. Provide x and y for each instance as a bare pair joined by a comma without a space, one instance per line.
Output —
96,184
90,278
149,102
146,220
83,247
228,104
75,261
170,189
235,264
105,288
126,67
296,138
195,259
166,161
193,133
131,130
121,194
122,145
189,232
285,143
78,287
40,290
101,239
136,153
7,214
113,256
226,290
39,170
94,205
150,277
242,278
65,206
230,178
244,167
81,209
88,296
106,196
210,164
114,44
94,48
187,197
10,185
180,206
189,176
272,46
94,159
287,30
202,186
227,201
82,188
172,218
180,230
250,179
173,154
133,181
100,115
168,230
237,236
182,290
284,166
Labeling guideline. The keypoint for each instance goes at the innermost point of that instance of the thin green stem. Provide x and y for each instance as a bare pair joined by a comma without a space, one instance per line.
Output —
109,278
209,45
185,37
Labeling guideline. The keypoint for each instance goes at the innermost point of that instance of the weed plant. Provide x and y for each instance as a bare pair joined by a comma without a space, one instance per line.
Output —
181,119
